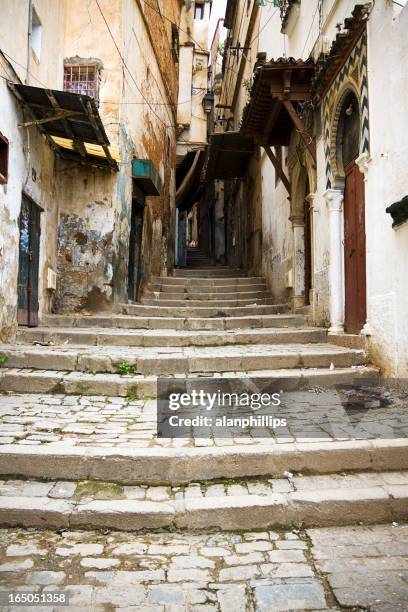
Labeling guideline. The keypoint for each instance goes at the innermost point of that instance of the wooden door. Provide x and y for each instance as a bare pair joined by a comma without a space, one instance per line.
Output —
354,250
135,249
28,265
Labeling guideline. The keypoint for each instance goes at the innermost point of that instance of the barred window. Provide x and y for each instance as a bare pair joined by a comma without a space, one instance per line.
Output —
81,79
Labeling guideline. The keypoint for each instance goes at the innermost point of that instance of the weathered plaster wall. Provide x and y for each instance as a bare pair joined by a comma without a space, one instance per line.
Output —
151,130
31,160
137,102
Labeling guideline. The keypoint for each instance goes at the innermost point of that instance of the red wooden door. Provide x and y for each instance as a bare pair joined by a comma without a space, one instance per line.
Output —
354,250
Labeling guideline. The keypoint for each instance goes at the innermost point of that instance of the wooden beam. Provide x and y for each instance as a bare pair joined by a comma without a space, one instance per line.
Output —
273,115
278,168
56,117
299,125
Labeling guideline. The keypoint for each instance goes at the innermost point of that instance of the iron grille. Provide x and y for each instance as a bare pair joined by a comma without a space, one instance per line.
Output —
81,79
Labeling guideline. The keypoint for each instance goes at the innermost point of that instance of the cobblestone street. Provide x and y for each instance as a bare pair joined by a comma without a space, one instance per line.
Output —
122,422
357,568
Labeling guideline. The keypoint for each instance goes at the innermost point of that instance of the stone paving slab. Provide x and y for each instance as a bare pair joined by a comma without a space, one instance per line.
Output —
184,572
124,422
366,567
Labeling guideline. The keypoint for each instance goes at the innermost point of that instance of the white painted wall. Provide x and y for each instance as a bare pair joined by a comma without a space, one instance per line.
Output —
387,248
31,160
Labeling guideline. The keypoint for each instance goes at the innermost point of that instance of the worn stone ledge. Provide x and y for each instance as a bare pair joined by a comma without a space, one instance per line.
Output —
338,501
177,466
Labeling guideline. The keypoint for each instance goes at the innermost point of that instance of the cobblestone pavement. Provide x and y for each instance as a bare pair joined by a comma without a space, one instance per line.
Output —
116,421
360,568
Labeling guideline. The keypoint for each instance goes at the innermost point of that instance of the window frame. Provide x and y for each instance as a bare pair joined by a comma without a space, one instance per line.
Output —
199,6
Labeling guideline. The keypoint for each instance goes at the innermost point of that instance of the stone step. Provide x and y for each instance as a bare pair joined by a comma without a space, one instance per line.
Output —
24,380
210,297
188,324
183,311
227,303
119,337
209,273
179,360
310,501
209,282
206,288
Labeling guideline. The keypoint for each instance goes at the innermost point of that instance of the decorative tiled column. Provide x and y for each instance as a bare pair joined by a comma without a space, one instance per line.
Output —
334,199
298,226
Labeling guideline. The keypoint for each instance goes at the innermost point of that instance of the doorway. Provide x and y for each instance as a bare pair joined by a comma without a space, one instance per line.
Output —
135,249
348,147
28,263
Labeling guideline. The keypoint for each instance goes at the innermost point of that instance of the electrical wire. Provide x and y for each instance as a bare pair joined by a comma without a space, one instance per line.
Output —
129,71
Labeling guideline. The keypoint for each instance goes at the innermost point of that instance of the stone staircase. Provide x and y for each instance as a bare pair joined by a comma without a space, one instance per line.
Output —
79,407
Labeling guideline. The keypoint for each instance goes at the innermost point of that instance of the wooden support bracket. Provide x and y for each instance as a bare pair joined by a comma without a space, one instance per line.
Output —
299,125
56,117
278,168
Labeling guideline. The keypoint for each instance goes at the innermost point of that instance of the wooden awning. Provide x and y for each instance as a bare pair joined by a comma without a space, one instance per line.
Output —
71,121
228,155
280,86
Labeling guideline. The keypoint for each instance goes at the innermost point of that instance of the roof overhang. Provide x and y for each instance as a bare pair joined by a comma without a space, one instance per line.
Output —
278,86
329,65
228,155
71,122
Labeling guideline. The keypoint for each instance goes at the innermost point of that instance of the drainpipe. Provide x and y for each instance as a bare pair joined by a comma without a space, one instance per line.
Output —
29,34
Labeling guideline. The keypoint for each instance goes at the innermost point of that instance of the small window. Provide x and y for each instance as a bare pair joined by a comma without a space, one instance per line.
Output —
199,10
4,152
81,79
36,34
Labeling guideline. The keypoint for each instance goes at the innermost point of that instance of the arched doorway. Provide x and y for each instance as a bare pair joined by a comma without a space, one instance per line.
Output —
302,240
347,150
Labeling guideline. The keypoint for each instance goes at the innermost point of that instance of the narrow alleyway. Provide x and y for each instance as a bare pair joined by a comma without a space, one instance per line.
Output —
80,452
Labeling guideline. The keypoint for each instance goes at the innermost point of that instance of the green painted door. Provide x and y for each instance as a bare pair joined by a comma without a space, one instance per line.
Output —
28,267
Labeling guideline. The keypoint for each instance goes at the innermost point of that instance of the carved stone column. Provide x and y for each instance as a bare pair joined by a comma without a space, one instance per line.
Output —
334,199
298,296
313,211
